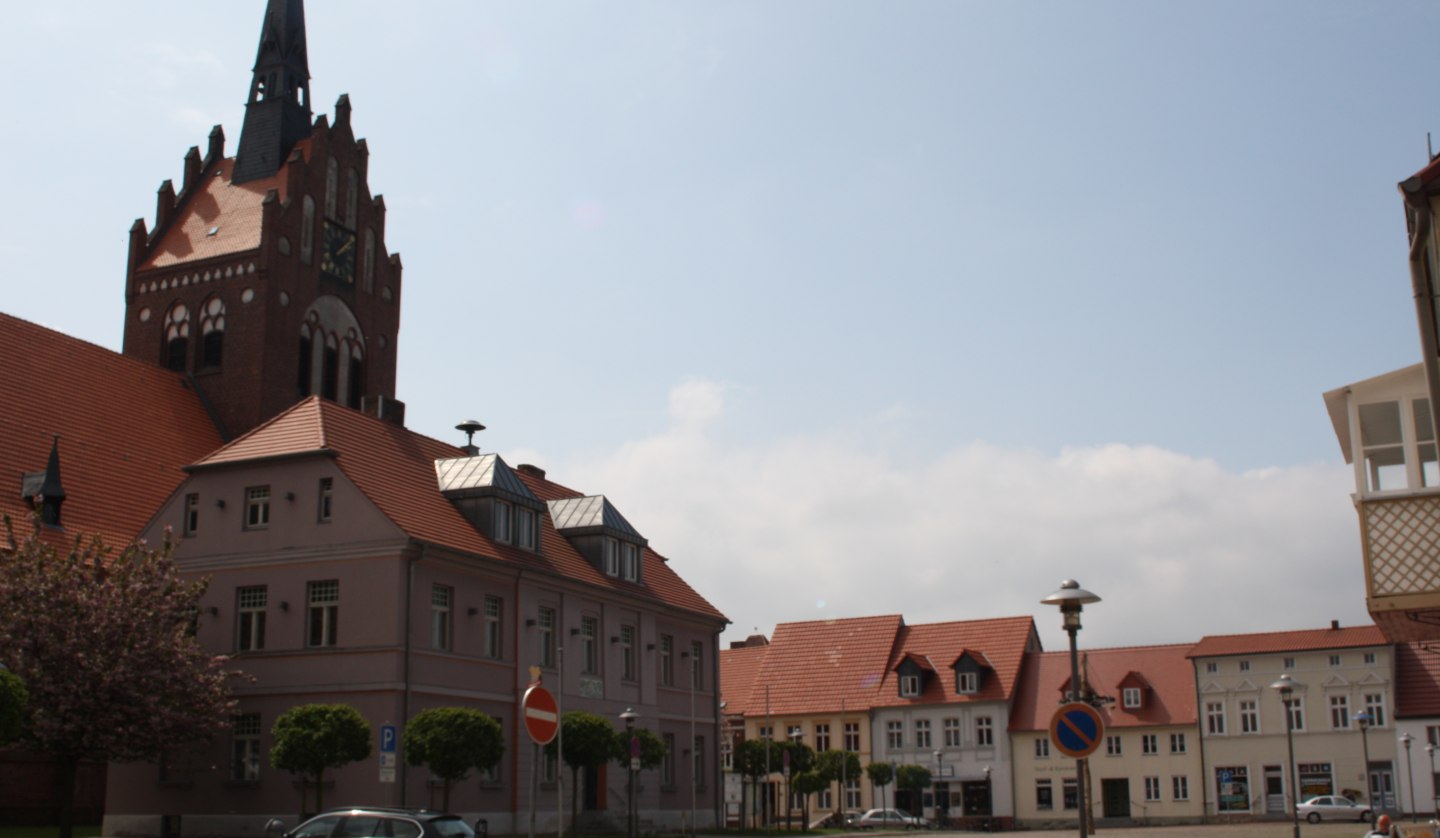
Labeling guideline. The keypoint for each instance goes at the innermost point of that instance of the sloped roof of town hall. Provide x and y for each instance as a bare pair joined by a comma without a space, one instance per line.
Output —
1273,642
1169,698
125,428
395,468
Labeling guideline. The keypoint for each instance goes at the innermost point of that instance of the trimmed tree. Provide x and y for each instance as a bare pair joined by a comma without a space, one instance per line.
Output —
13,699
652,750
452,741
310,738
104,644
801,757
805,784
881,774
838,767
754,760
913,779
589,743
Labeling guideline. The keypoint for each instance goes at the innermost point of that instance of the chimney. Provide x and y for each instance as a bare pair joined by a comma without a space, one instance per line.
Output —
533,471
1334,625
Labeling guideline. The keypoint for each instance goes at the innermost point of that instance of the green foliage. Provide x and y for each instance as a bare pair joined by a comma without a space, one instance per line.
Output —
750,758
588,741
809,782
652,749
912,777
13,699
802,756
310,738
451,741
838,765
880,773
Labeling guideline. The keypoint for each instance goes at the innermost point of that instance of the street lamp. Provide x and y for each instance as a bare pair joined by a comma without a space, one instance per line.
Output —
1406,739
1286,685
939,776
631,822
1430,752
1071,598
1363,719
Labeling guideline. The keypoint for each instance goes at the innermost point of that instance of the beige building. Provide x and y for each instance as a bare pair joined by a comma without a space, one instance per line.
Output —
1147,769
1337,674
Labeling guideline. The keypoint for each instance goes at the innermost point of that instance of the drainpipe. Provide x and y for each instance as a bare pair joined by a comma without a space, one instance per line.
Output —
413,560
1200,738
1422,283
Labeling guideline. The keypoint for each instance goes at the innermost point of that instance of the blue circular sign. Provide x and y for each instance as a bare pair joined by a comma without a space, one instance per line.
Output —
1076,730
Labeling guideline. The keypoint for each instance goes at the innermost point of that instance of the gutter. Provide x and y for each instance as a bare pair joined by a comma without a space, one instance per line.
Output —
1423,287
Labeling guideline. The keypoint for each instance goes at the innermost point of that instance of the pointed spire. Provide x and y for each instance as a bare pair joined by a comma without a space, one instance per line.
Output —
277,114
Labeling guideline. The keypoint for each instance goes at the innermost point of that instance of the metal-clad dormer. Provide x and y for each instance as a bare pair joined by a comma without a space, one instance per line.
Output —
487,492
598,530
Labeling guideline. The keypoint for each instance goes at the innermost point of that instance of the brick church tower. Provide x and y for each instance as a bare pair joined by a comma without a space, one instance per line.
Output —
266,278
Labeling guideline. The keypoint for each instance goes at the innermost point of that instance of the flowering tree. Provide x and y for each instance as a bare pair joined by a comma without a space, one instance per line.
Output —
451,741
104,645
310,738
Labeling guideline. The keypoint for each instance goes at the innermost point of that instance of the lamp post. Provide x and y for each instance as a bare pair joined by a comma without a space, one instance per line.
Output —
1363,719
1430,752
631,823
939,776
1286,685
989,796
1406,739
1071,598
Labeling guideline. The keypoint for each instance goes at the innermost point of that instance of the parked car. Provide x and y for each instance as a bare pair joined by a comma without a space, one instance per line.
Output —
891,819
848,818
375,822
1333,808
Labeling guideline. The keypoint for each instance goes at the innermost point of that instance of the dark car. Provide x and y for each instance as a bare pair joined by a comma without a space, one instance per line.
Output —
375,822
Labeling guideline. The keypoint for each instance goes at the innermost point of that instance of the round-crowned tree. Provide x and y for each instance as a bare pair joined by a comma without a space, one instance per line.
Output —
451,742
310,738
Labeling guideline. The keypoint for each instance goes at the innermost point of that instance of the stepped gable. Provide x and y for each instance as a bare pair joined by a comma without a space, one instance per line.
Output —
395,469
125,430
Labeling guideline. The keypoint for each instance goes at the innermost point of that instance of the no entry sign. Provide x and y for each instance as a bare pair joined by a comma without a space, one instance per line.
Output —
1076,730
541,714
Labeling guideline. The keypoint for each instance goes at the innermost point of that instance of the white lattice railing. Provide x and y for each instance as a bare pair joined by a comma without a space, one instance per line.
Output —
1402,537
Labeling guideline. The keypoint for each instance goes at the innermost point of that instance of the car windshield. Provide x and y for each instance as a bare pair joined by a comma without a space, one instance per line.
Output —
453,827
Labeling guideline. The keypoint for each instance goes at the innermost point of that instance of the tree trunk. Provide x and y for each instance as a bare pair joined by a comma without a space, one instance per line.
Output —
319,791
445,795
68,765
574,797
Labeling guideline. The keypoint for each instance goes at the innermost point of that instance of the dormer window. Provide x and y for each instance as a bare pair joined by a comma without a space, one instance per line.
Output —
970,669
525,529
502,521
629,561
909,686
967,682
612,557
1130,696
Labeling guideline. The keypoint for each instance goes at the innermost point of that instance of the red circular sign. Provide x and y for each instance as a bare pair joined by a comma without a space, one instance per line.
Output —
541,714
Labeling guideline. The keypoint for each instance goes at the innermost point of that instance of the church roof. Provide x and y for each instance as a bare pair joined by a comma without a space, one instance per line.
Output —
395,468
125,429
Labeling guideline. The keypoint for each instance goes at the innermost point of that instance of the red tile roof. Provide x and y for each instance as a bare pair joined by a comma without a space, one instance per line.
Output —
232,210
739,667
823,666
1417,681
1169,701
999,643
1288,641
126,428
395,468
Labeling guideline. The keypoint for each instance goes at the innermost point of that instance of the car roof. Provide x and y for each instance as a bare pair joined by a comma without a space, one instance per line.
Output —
429,814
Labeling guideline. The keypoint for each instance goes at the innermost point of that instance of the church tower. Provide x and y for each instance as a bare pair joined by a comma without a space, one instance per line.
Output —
266,277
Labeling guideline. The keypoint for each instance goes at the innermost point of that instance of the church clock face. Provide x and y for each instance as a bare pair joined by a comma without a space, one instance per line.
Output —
337,257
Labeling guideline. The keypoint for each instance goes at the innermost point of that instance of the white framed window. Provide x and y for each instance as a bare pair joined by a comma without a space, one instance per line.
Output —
1334,661
612,557
1042,748
984,732
894,735
967,682
525,537
822,737
1149,744
667,660
1130,697
1044,795
1180,787
1070,794
922,733
589,660
1375,706
631,672
1211,668
502,521
191,519
1288,663
440,597
245,748
667,765
951,728
1113,746
324,608
852,794
1244,666
1152,788
909,686
1369,658
1215,718
327,491
250,618
1297,713
699,762
545,622
629,562
494,610
257,507
852,737
1249,716
1339,712
1177,743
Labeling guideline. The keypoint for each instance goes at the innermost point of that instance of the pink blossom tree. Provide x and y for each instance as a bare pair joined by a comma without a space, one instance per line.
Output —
105,646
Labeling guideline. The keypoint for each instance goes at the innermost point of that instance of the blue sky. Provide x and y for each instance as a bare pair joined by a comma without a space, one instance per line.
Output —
851,307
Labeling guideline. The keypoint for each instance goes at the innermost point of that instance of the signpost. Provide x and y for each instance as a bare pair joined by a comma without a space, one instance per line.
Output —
541,714
1076,729
389,736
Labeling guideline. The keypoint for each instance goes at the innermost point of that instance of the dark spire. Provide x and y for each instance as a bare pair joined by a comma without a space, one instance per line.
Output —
43,488
277,114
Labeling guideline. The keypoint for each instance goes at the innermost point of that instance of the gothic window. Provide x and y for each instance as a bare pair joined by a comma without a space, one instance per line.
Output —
304,361
356,376
332,184
177,336
307,230
367,267
352,197
212,333
330,369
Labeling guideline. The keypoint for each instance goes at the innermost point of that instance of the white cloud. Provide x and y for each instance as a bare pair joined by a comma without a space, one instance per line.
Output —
828,525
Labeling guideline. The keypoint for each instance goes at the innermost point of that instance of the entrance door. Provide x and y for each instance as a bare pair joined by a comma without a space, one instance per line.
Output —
1115,795
1382,787
1275,789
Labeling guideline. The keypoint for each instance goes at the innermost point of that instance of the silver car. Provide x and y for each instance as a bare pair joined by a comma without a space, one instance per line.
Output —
891,819
1333,808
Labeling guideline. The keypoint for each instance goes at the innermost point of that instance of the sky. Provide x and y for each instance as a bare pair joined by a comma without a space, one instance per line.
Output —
851,308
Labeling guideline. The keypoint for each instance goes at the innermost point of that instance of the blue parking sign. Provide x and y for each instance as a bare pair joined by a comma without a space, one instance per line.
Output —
388,736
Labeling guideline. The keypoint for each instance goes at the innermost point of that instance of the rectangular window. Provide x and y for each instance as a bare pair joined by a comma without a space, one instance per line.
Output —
1289,663
1432,736
257,507
250,618
852,737
822,737
589,661
1177,743
494,610
1249,716
1375,706
1211,668
667,660
440,596
667,765
1297,713
1369,658
794,733
1131,697
1244,666
951,728
697,678
545,620
894,735
1384,446
324,599
1232,788
327,488
967,682
1113,746
1152,788
627,653
1180,787
909,686
245,747
1215,718
852,794
525,528
1072,798
1339,712
1149,744
612,557
922,733
1044,795
699,764
629,562
191,523
1334,660
502,521
984,732
1042,748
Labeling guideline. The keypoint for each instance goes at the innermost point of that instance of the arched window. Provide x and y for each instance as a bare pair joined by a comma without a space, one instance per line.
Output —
307,230
355,378
331,360
352,198
212,333
305,359
367,265
330,369
332,184
177,336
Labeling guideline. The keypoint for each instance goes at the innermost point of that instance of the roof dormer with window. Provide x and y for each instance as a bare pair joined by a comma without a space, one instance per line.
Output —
971,670
913,674
490,496
1134,691
602,535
